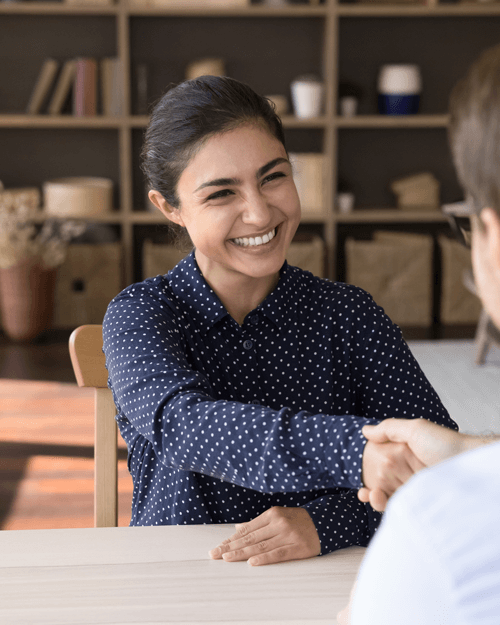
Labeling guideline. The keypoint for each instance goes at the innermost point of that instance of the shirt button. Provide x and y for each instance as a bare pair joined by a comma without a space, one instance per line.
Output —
247,344
254,319
255,401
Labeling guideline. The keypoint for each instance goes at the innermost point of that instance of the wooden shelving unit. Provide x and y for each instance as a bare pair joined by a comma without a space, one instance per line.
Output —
323,38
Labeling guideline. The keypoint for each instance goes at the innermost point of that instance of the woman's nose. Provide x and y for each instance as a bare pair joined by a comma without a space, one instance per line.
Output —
256,210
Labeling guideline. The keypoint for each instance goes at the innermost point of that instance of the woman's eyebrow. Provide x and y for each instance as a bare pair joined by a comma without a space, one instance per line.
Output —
277,161
223,182
219,182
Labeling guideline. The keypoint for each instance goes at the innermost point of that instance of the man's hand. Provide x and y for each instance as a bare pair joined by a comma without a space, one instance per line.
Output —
431,443
386,466
276,535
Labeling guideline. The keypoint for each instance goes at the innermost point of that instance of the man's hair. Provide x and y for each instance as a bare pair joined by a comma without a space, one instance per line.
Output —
474,130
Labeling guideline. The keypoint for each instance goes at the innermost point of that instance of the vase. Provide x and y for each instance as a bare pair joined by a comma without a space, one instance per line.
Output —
26,299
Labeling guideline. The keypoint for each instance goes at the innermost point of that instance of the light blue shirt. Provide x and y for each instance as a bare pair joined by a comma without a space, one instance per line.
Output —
436,556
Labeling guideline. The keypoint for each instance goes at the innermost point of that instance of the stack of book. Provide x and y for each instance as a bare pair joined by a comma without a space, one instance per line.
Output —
88,85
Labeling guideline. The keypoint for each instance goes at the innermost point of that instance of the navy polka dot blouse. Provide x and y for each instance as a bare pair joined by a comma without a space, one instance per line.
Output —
223,421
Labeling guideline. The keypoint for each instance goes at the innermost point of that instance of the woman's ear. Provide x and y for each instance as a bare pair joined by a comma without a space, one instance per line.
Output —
171,213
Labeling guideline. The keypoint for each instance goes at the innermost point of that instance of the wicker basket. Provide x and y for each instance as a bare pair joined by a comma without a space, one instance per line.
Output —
87,281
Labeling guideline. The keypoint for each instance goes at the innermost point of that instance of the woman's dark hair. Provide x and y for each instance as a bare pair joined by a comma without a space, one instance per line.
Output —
190,113
474,130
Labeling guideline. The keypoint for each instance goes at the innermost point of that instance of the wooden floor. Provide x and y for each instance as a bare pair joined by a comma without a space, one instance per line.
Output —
46,427
46,440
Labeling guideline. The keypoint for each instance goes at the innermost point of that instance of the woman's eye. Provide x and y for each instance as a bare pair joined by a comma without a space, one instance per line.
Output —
220,194
275,175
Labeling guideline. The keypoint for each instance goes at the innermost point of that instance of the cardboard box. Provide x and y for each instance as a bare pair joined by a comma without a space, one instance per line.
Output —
308,174
418,192
308,255
458,305
396,269
159,258
87,281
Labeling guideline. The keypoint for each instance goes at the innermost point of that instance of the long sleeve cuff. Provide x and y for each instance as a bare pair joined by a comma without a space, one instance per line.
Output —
341,520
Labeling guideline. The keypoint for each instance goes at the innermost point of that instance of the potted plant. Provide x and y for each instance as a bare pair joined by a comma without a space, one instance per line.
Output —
29,257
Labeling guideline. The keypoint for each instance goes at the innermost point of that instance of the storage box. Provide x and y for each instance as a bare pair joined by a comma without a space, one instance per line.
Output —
78,197
308,255
159,258
396,269
458,305
308,174
87,281
418,192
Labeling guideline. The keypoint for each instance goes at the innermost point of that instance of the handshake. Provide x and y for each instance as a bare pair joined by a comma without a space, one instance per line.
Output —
398,448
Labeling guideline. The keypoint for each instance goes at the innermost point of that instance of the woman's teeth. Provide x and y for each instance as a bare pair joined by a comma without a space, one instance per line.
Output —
253,241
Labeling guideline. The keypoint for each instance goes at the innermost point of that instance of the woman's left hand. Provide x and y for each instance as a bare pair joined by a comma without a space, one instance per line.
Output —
277,535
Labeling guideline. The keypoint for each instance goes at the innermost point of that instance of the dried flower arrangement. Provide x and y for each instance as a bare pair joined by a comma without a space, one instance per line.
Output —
21,239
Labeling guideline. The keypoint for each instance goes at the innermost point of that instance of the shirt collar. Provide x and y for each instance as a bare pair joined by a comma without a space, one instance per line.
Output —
189,286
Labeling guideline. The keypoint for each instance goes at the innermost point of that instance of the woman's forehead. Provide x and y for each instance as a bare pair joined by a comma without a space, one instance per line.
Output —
245,148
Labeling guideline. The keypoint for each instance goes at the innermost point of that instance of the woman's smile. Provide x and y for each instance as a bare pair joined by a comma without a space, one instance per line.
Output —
256,241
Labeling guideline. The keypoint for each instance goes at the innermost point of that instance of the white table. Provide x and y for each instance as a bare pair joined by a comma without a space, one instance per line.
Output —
161,575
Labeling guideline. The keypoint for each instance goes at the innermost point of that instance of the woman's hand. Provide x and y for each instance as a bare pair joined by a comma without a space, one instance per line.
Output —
386,466
277,535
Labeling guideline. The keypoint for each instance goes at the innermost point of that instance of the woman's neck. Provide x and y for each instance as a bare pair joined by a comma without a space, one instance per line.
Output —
240,294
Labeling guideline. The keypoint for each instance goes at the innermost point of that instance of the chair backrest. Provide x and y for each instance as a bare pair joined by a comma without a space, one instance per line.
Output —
87,358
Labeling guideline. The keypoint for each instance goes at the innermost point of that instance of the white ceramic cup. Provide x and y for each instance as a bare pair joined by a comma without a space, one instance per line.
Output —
307,97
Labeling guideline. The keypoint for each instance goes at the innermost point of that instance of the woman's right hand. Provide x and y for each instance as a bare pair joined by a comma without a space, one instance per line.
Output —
386,466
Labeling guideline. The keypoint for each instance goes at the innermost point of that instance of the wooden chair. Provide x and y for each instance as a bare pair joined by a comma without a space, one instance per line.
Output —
87,358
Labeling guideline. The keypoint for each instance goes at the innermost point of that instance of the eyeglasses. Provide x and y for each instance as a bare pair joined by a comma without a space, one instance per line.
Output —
459,217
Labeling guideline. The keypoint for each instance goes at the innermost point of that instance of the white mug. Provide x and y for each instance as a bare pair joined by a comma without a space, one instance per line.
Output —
307,97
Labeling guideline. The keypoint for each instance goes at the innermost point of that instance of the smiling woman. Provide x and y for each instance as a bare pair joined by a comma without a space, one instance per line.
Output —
242,383
238,201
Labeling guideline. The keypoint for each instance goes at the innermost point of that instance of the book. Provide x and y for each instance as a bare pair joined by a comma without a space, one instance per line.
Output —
85,87
42,86
111,86
63,87
89,2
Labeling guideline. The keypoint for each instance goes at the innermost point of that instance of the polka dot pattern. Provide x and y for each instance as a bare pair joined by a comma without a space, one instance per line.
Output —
224,421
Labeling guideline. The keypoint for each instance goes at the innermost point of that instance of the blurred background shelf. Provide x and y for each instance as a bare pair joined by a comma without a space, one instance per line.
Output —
340,42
